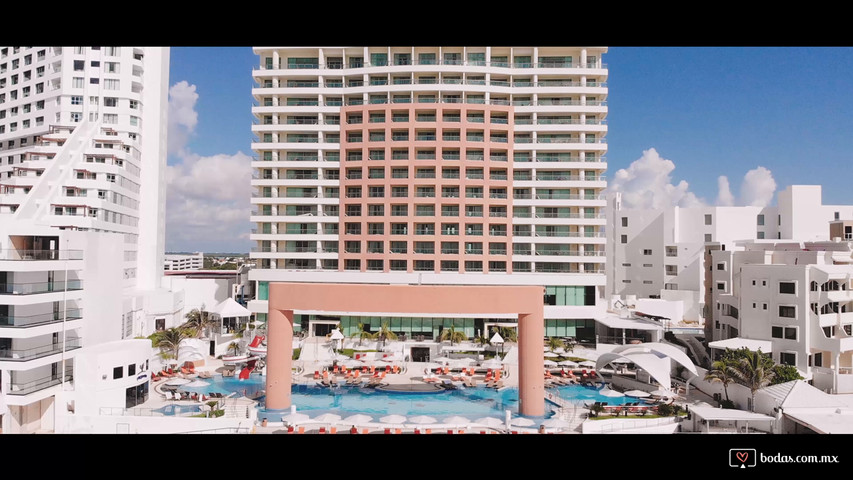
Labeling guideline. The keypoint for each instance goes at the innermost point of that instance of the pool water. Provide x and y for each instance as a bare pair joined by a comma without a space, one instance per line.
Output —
178,409
344,401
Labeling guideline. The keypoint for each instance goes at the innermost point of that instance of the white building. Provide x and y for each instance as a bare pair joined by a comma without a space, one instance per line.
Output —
792,300
176,261
660,253
82,234
471,161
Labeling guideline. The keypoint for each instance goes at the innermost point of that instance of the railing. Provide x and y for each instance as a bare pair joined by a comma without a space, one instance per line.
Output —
26,321
40,384
71,343
13,254
39,287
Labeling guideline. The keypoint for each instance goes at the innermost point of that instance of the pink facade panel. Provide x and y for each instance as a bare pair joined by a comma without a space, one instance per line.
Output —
426,187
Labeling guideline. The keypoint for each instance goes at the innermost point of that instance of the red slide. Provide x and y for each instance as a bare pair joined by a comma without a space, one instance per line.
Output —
244,373
256,342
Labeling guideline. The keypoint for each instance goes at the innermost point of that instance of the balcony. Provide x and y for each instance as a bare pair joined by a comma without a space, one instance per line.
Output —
13,254
72,343
26,321
39,287
26,388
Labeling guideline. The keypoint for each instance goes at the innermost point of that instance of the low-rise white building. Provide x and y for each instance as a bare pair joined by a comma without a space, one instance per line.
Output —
659,253
794,297
175,261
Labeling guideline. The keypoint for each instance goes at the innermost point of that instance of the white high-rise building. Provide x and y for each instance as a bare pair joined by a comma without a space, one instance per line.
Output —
82,232
433,165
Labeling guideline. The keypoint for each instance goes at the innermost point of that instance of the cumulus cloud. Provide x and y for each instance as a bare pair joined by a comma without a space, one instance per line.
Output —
647,183
757,188
207,206
724,197
182,115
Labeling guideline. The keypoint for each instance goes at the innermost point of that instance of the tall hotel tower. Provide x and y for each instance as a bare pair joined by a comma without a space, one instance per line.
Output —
434,166
82,233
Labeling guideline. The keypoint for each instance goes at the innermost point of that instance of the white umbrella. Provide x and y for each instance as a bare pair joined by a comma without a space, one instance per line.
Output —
551,355
393,419
492,363
606,392
177,381
336,335
496,338
456,420
663,393
568,363
422,419
351,362
362,348
357,419
490,422
637,393
462,362
587,363
556,423
327,418
550,363
522,422
295,418
442,359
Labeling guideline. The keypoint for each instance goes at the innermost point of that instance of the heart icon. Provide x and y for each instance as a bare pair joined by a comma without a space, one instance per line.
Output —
742,456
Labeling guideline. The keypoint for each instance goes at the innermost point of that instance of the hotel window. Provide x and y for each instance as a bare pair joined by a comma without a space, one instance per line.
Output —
787,311
79,65
378,59
647,251
761,220
118,372
624,238
787,358
111,84
708,237
76,100
77,82
788,288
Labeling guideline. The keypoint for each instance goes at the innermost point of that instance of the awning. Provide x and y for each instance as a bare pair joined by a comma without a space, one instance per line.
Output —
612,321
230,308
729,414
737,343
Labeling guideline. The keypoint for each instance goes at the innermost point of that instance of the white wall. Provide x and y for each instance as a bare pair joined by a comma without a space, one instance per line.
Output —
94,385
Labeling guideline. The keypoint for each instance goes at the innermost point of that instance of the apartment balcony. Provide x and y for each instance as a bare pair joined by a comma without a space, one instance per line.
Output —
39,287
33,386
29,321
40,255
25,355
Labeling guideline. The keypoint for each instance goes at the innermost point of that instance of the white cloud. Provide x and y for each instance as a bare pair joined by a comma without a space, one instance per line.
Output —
724,197
182,115
647,183
757,188
208,197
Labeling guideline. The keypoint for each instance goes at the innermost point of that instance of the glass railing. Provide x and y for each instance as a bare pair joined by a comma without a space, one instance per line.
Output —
25,388
71,343
25,321
13,254
39,287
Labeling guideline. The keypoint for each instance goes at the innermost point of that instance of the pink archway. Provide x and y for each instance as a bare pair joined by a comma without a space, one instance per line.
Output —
525,301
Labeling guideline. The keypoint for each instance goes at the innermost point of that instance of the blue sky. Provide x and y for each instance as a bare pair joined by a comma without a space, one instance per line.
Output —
710,111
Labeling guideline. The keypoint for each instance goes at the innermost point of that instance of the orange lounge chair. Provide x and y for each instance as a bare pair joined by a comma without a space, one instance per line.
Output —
336,370
333,430
398,431
428,430
301,430
365,431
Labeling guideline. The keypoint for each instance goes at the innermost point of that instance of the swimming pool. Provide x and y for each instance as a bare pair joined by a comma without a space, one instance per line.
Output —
344,401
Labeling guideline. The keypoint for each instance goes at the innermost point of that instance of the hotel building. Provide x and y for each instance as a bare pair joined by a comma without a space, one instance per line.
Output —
432,166
82,234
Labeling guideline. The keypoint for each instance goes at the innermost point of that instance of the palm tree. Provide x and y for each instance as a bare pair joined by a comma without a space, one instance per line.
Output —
169,341
753,370
385,333
233,347
199,320
509,334
555,343
721,371
362,333
453,335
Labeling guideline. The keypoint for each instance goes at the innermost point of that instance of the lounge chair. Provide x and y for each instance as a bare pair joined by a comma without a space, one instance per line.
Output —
322,430
398,431
333,430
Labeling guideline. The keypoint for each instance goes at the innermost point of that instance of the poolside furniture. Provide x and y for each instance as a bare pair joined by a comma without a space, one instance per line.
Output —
322,430
301,430
333,430
316,374
365,431
290,429
387,431
353,430
398,431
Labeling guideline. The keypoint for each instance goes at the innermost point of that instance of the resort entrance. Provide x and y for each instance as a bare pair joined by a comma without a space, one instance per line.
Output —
525,302
420,354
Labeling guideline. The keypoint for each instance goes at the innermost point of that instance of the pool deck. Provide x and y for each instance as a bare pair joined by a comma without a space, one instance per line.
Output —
410,378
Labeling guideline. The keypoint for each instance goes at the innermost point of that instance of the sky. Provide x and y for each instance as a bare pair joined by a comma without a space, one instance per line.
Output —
686,126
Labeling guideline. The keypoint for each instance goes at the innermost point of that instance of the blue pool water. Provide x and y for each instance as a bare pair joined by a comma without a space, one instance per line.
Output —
344,401
178,409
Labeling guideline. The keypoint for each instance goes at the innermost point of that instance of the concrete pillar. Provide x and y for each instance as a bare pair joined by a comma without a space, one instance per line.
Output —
279,358
531,379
